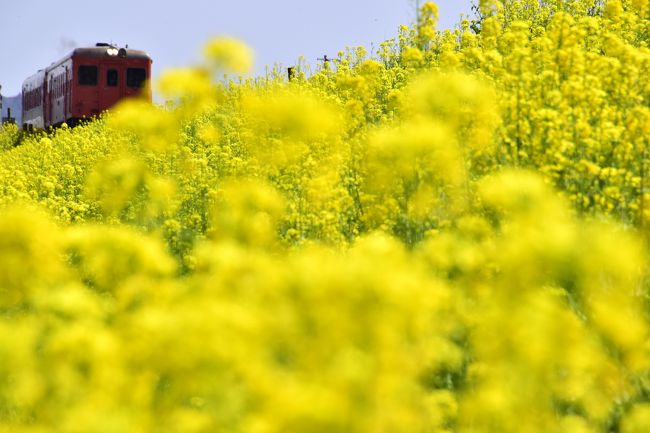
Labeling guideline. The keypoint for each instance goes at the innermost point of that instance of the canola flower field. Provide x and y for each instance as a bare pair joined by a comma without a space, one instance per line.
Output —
449,234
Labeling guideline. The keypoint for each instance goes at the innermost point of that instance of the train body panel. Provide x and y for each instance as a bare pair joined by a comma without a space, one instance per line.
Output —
58,78
83,84
33,100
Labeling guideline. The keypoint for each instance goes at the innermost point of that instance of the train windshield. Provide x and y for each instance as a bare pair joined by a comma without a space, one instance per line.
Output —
135,77
87,75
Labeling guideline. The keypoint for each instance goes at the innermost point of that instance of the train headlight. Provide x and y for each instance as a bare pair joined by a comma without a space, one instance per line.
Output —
112,51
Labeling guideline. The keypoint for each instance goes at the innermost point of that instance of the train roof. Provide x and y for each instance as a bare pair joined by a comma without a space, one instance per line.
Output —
34,80
101,52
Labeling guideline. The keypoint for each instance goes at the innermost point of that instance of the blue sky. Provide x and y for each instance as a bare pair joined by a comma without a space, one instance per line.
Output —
35,33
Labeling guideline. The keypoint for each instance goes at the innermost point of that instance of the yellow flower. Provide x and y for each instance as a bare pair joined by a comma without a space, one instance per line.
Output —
229,55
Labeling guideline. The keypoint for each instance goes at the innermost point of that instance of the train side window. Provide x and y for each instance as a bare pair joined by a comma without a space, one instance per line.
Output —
111,78
87,75
135,77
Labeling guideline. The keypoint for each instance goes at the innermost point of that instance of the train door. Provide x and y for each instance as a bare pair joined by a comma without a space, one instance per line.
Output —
47,101
67,96
112,83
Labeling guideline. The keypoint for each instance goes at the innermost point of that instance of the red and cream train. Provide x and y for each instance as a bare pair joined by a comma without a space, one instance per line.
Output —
83,84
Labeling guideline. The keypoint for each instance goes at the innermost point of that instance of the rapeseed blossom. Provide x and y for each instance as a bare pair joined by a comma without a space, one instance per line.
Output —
229,55
447,236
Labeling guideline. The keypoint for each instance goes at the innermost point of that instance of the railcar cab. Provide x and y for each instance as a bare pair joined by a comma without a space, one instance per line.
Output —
83,84
103,75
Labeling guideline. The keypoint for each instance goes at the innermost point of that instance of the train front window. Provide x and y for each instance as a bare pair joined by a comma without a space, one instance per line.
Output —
135,77
87,75
111,78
